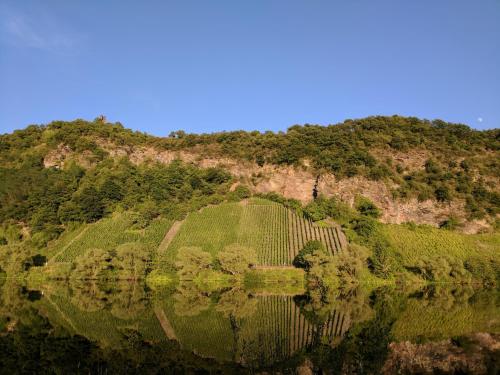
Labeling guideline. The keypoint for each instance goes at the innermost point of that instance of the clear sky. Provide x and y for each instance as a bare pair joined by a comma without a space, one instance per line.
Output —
212,65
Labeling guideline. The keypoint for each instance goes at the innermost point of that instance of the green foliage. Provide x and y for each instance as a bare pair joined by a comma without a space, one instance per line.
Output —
240,192
107,234
451,223
442,269
130,260
236,259
92,265
443,255
321,208
383,262
483,268
191,261
49,198
366,207
311,247
349,264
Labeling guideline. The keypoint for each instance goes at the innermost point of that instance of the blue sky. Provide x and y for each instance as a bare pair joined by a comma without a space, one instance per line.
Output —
204,66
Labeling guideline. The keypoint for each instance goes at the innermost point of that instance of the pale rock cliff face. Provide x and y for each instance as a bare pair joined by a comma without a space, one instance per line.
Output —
296,182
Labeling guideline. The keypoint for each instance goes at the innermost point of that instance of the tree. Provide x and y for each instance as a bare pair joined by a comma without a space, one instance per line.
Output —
92,265
131,260
309,248
91,204
236,259
111,191
191,260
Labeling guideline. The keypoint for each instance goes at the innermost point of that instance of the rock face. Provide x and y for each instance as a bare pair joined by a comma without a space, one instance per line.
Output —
292,182
444,357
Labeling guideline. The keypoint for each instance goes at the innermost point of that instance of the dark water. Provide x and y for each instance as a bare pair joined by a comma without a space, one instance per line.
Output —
127,328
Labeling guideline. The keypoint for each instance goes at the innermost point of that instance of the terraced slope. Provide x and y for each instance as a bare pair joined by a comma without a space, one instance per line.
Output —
275,232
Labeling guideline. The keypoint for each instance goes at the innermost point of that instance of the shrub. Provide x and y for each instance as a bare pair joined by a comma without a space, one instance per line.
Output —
92,265
241,192
191,260
131,260
309,248
442,269
484,269
366,207
451,223
364,226
236,259
349,263
442,194
316,210
382,262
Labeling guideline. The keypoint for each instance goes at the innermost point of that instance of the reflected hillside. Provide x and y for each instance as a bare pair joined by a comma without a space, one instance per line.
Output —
351,329
251,330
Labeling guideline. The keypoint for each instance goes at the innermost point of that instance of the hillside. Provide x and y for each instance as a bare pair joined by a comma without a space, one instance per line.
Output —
414,170
275,232
74,192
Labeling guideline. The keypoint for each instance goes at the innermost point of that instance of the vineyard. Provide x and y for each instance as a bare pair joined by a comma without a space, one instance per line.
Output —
102,325
275,232
107,234
415,244
447,316
273,332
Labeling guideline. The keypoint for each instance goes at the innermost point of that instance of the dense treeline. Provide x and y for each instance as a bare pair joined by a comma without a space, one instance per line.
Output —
44,199
460,162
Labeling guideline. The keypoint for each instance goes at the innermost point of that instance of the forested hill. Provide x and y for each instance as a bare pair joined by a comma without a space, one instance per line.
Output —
415,170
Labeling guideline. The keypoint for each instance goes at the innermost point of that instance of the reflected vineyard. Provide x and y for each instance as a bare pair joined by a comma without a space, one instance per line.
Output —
128,328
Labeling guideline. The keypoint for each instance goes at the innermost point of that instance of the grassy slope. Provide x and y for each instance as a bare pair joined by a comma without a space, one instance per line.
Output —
426,242
106,234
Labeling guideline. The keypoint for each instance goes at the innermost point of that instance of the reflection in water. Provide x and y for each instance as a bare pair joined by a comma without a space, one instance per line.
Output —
123,327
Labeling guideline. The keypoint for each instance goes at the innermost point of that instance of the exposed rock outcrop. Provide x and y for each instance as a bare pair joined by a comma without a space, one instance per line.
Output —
296,182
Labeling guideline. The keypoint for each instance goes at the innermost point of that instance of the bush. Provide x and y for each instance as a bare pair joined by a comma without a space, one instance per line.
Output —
366,207
364,226
309,248
382,263
451,223
191,260
484,269
442,269
236,259
93,265
316,210
349,263
241,192
131,260
442,194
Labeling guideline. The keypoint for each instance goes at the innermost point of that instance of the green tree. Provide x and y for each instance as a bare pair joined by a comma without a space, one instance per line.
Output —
91,204
191,260
236,259
92,265
131,260
300,260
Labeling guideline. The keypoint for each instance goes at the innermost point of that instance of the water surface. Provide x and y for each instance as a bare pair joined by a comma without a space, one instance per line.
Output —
128,328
